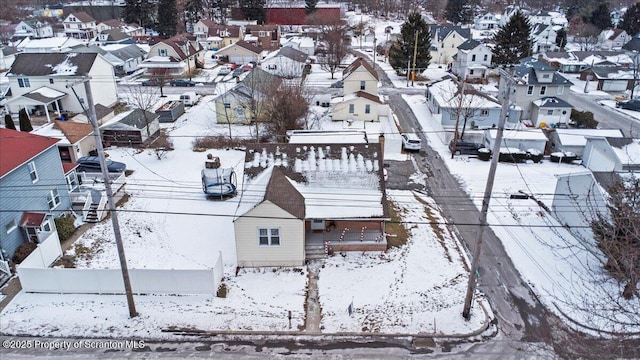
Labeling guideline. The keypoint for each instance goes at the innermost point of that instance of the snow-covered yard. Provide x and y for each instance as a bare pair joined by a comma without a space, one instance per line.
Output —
564,275
167,223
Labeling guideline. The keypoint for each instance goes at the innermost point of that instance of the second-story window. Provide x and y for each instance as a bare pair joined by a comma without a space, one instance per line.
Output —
33,173
473,57
530,90
24,82
50,81
560,90
352,108
485,57
53,199
162,52
543,90
362,85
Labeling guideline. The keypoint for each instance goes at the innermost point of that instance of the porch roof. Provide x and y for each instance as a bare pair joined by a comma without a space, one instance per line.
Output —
41,96
32,219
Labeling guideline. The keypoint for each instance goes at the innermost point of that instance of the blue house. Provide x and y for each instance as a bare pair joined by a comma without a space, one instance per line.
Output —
34,189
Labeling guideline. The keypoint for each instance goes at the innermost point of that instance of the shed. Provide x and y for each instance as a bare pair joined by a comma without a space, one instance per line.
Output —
130,128
574,140
170,111
523,139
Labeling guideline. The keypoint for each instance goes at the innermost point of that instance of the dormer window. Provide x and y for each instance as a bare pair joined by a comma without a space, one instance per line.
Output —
545,76
162,52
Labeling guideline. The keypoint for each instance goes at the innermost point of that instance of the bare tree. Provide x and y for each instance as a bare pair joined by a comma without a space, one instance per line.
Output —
336,40
161,77
143,98
584,34
253,93
286,109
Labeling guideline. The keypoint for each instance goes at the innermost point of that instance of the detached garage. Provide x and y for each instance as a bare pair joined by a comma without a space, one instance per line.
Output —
523,139
609,78
240,53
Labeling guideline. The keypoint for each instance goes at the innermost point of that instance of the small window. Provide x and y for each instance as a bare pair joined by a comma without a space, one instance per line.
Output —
367,109
240,111
33,173
543,90
227,105
486,57
471,72
530,89
352,108
24,82
484,112
362,85
473,57
50,81
72,181
545,76
162,52
53,199
11,226
550,112
560,90
269,237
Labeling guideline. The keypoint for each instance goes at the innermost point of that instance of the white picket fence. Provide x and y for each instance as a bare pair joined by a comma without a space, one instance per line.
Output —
36,276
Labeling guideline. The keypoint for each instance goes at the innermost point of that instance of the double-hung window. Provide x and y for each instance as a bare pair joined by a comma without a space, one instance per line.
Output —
268,236
24,82
33,173
53,199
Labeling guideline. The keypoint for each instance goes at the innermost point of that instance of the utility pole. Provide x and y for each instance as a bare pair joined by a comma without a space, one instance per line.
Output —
91,115
415,54
473,275
459,111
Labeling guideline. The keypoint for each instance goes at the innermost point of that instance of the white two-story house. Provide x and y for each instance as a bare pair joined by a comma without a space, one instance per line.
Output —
445,41
543,38
34,29
178,55
472,61
39,82
540,91
80,25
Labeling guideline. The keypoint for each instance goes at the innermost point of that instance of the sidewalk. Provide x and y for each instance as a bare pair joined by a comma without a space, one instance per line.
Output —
13,287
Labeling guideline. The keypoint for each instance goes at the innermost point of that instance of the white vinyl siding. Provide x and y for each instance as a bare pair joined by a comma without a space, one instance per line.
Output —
290,236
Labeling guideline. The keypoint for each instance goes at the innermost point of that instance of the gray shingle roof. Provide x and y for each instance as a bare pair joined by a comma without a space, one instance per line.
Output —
443,30
293,54
61,64
469,44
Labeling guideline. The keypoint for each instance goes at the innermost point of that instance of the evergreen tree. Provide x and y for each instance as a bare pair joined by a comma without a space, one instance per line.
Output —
401,51
310,6
512,40
631,20
25,122
193,11
601,16
140,12
8,122
254,10
459,11
561,38
167,18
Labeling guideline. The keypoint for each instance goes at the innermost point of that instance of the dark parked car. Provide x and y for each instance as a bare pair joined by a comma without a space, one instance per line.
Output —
182,82
465,147
633,104
91,164
338,84
151,82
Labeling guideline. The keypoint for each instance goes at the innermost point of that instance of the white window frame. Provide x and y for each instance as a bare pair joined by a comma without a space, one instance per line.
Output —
549,111
24,82
484,112
352,108
11,226
560,89
271,234
543,90
363,85
72,180
531,89
33,172
367,109
53,199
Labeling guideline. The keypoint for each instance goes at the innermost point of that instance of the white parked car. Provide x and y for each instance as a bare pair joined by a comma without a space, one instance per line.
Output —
411,141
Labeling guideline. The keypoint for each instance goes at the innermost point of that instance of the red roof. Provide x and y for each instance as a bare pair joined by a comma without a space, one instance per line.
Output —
32,219
18,147
67,167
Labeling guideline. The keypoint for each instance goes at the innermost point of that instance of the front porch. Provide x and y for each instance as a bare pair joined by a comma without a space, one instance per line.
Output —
344,235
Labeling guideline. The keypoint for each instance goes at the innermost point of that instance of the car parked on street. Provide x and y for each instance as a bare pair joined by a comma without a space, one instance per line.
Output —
633,104
182,82
91,164
151,82
411,142
463,147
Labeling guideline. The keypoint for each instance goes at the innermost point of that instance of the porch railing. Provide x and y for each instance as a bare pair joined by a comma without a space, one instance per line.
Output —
4,267
87,205
101,207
